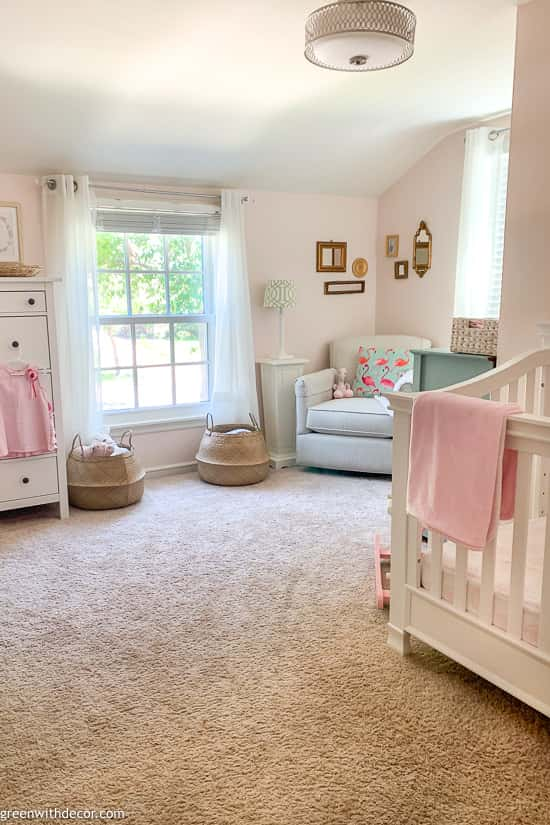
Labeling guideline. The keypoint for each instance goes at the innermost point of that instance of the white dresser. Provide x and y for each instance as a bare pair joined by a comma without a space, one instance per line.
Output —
28,331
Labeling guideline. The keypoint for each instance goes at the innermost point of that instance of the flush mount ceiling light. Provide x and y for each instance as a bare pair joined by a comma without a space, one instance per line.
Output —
360,35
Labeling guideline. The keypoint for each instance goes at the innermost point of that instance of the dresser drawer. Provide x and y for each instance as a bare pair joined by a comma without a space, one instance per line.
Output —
25,338
22,478
22,302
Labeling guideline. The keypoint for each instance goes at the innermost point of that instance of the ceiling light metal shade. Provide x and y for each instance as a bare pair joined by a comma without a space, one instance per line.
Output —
360,35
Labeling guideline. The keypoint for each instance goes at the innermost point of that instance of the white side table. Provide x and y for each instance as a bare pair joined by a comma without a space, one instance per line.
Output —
279,402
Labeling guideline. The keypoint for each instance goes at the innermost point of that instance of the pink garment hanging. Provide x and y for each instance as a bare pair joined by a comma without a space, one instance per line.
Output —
26,416
461,478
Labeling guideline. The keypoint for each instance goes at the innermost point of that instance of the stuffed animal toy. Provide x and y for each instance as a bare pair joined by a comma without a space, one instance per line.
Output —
348,392
98,449
340,389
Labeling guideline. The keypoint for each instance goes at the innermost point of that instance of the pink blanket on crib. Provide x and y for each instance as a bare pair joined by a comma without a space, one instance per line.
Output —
461,479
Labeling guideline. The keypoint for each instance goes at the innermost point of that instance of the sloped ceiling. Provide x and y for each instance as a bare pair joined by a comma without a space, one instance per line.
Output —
218,92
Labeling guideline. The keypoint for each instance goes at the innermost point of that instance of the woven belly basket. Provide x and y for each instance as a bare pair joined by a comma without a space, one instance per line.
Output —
104,482
232,459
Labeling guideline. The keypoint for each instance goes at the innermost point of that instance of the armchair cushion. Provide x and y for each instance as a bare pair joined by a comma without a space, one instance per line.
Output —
363,417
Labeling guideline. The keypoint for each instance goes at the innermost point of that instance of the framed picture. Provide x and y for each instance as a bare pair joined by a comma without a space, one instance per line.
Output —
392,246
344,287
401,270
11,240
331,256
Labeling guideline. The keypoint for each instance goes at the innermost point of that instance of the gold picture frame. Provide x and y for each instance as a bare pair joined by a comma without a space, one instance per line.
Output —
332,256
11,233
392,246
422,245
401,270
344,287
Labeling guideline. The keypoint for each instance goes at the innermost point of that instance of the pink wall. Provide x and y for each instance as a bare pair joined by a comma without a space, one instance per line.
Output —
430,191
526,283
282,230
25,190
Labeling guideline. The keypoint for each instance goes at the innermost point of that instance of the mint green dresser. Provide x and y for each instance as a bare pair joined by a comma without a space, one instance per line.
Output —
436,368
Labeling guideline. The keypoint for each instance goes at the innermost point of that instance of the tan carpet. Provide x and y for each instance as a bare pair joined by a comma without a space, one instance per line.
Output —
213,657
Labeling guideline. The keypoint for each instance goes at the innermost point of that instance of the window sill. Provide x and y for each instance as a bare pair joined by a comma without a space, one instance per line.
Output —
156,425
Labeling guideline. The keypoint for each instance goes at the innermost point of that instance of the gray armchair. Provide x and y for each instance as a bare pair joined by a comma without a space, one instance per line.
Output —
349,433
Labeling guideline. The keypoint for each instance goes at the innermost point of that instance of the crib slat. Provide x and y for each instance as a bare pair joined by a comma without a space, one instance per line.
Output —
461,583
545,395
530,391
414,552
513,392
437,565
486,598
519,547
544,617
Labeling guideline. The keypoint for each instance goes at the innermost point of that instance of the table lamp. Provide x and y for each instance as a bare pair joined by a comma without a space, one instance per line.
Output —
280,295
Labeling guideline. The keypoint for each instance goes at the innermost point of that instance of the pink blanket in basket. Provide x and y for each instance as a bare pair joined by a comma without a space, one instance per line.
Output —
461,479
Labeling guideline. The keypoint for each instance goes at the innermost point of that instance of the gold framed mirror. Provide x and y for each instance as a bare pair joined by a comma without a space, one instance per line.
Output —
331,256
422,250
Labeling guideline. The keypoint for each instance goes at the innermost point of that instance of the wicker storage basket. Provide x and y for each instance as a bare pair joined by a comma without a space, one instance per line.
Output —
232,460
104,482
475,336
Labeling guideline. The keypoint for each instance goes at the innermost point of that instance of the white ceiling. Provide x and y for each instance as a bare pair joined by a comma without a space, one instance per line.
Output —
218,92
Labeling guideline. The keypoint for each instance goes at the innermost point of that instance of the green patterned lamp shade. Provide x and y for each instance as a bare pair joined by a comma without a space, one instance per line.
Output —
280,295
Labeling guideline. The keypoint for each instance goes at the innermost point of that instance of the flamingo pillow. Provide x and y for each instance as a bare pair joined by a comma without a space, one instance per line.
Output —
379,370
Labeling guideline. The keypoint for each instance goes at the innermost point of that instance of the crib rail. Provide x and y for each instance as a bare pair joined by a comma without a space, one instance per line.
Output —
524,380
485,611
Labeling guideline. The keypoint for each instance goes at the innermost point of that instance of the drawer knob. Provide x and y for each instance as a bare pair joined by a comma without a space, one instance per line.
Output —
31,302
25,480
15,344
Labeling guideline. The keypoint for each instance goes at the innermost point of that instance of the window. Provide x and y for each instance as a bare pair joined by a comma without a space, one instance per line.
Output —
482,224
155,323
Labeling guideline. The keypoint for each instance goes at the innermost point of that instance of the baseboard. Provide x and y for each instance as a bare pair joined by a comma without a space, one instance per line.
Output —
171,469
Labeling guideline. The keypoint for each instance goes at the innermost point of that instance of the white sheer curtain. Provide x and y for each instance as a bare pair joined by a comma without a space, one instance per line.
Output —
69,238
479,264
234,387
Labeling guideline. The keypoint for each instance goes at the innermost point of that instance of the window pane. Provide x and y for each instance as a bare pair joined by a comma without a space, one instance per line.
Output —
115,345
145,251
186,294
148,294
192,384
111,293
152,344
110,250
185,253
155,386
117,389
190,342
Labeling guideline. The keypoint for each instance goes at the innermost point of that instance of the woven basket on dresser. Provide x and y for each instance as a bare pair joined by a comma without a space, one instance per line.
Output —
104,482
475,336
232,460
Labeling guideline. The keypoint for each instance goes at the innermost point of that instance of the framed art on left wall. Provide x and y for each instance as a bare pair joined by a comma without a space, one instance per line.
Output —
11,239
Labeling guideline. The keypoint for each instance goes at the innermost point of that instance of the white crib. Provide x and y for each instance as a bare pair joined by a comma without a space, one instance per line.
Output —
500,637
